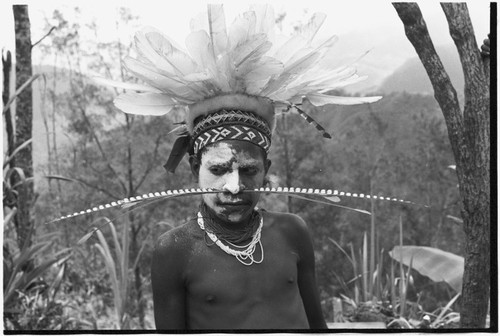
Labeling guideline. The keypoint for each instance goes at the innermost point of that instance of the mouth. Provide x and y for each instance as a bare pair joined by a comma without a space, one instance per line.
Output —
237,205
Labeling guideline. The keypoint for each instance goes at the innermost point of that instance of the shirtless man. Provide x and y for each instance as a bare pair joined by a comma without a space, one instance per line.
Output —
197,285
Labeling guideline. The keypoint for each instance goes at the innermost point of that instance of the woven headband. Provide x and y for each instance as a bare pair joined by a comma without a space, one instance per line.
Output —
231,132
231,125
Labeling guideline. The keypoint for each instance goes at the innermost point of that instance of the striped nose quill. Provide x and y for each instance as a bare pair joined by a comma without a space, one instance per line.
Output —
325,196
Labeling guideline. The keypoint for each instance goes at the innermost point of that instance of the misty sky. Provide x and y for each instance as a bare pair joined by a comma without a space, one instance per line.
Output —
373,18
361,25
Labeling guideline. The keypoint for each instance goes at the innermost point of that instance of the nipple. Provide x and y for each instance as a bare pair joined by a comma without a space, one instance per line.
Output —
210,298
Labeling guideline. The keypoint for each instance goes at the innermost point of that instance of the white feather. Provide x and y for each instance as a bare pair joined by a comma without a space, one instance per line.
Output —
125,86
177,59
169,85
318,99
340,84
200,48
264,14
290,48
253,47
290,73
145,103
217,26
254,87
148,52
197,77
267,67
311,28
241,29
245,57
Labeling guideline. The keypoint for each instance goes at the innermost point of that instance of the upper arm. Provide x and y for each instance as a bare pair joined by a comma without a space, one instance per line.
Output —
307,275
167,278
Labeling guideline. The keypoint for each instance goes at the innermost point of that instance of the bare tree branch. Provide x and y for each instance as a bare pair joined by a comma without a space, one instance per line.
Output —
101,150
150,163
476,119
43,37
85,183
417,33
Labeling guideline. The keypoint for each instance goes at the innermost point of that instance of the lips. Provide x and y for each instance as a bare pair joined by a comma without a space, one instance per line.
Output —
233,201
235,204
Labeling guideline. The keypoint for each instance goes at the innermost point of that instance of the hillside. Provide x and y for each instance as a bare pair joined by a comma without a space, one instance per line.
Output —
412,78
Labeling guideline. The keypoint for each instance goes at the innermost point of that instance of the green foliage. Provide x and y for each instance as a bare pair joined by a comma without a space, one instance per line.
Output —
117,265
372,299
434,263
19,277
29,303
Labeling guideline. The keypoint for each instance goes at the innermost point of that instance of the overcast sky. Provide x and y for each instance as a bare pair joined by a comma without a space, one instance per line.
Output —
361,25
373,18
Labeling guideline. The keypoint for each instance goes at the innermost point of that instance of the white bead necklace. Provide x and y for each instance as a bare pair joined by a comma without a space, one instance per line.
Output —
241,255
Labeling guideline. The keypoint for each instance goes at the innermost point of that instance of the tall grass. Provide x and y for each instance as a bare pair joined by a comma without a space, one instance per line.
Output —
117,265
24,265
370,282
370,287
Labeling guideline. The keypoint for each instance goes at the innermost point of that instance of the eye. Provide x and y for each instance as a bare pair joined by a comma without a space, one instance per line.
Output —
218,171
249,171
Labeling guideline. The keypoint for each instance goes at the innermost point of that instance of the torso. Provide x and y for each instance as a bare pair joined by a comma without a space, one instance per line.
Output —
222,293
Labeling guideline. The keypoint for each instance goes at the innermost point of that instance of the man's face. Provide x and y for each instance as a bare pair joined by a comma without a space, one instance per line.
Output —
232,166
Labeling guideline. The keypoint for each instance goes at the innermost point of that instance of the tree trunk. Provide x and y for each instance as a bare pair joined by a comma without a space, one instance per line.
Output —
6,68
469,135
23,121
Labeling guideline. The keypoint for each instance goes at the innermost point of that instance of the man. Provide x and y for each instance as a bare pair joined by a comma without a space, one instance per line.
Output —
234,266
199,285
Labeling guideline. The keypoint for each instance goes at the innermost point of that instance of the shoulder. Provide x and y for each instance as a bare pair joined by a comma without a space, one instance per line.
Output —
294,229
172,250
177,240
285,222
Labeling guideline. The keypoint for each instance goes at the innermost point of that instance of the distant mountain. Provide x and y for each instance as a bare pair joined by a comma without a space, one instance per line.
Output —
412,78
375,57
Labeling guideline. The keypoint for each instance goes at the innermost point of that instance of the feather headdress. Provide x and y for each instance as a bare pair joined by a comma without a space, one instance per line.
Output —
242,60
240,67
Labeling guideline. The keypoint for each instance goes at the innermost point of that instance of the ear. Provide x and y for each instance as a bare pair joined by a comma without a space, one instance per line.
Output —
195,166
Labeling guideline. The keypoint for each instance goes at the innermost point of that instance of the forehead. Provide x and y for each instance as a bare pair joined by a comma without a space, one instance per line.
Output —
232,151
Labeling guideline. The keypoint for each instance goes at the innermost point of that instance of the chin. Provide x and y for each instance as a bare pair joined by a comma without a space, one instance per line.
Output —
235,216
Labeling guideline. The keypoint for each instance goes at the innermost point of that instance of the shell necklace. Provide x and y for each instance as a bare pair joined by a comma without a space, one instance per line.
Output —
245,253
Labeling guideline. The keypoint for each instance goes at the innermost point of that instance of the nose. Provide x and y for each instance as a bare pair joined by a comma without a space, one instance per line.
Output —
233,183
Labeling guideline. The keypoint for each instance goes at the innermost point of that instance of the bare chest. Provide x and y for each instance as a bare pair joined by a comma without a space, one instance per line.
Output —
215,277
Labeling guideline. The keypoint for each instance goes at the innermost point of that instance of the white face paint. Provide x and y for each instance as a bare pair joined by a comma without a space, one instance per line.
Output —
232,166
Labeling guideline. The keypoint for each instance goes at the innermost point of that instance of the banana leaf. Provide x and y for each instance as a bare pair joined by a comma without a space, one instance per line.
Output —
434,263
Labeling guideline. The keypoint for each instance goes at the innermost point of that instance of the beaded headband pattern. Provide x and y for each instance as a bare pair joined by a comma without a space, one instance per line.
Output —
234,132
231,125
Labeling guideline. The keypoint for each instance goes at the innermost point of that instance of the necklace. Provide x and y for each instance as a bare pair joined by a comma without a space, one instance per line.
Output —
245,255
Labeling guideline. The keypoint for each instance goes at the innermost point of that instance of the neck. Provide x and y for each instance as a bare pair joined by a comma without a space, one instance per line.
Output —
234,232
229,225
